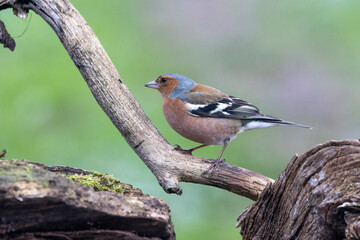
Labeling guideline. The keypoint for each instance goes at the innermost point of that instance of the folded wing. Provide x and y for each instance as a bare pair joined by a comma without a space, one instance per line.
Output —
220,105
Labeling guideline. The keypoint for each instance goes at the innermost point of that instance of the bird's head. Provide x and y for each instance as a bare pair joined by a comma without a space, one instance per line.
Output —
172,85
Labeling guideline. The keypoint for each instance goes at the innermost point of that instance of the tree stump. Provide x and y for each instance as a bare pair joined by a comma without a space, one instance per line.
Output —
316,197
40,202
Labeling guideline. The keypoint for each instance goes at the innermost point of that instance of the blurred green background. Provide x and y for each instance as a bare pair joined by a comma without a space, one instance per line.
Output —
297,60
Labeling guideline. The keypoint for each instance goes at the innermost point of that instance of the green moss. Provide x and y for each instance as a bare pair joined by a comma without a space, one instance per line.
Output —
45,184
98,181
28,170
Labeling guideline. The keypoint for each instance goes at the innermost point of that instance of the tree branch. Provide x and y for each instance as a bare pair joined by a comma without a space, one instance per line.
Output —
169,166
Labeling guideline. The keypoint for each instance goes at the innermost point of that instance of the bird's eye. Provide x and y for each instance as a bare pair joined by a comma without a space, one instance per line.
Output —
163,80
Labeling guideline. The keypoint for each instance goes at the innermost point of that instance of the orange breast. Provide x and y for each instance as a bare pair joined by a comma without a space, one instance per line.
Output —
209,131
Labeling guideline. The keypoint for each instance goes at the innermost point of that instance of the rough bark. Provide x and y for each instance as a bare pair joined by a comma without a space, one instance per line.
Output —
316,197
39,202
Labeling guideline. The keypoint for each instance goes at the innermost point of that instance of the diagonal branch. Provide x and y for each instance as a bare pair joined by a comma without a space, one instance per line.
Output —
170,167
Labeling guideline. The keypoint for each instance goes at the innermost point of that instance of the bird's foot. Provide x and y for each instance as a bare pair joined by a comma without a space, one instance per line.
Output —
213,161
213,165
183,151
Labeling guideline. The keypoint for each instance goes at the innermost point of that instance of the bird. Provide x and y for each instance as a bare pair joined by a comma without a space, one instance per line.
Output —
206,115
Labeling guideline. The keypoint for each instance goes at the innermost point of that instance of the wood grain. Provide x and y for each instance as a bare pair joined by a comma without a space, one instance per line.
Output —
38,202
316,197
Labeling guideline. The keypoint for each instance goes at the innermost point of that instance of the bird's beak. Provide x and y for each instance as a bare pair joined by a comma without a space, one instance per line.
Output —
152,84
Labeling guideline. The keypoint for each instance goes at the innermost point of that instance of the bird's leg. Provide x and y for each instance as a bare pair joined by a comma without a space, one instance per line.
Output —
188,151
218,160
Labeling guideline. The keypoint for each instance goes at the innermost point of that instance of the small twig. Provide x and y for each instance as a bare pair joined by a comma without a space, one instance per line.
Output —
3,153
26,28
5,38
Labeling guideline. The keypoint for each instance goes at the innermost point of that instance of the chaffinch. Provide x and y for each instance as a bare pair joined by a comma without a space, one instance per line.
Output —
206,115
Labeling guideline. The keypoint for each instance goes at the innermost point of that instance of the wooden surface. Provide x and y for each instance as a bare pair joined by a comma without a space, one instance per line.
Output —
38,202
316,197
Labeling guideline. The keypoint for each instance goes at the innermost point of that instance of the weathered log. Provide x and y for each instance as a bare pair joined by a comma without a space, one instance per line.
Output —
40,202
316,197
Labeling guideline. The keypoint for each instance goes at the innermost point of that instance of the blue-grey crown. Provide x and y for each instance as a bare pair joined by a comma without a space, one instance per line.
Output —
185,85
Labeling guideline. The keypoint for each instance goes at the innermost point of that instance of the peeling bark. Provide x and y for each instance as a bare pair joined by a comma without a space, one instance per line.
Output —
316,197
38,202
